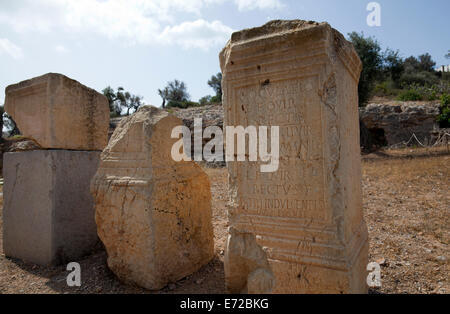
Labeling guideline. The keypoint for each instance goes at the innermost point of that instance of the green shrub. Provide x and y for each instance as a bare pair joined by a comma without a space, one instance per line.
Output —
386,89
410,95
444,117
446,76
445,99
206,100
416,92
182,104
209,100
369,51
216,99
432,96
443,87
381,89
423,78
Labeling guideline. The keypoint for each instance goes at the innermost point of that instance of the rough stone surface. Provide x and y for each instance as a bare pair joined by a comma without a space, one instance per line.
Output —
59,112
300,229
23,145
211,115
48,211
153,214
391,124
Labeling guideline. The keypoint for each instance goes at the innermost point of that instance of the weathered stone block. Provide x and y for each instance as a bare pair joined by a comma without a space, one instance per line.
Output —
153,214
48,211
299,229
59,112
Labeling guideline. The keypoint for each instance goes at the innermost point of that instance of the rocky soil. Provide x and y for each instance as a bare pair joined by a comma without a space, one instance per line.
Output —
406,205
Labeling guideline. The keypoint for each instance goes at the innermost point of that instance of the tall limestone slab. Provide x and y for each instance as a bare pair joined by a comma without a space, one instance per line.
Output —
299,229
153,214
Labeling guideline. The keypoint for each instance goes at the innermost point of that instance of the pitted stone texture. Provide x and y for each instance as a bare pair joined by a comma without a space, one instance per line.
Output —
300,229
153,214
59,112
48,211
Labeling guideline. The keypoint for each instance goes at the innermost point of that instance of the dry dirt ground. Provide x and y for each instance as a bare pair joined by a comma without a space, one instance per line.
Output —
407,209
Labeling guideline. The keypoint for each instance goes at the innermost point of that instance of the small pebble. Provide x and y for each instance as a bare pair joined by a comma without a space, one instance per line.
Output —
199,281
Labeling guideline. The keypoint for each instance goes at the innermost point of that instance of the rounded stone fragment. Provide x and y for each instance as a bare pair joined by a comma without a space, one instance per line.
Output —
153,214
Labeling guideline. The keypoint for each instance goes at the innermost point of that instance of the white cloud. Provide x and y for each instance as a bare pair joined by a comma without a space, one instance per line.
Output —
133,21
197,34
7,47
29,15
247,5
116,19
61,49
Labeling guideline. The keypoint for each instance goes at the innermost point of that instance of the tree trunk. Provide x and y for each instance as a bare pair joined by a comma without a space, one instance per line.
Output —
365,139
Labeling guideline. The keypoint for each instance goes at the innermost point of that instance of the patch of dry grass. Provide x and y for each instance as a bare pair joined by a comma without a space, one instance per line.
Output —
407,208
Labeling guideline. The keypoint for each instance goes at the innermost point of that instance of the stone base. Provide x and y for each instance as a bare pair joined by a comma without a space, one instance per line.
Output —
317,279
252,267
48,211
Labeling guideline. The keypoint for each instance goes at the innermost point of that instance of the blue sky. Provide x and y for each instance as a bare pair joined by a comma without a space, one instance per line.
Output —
142,44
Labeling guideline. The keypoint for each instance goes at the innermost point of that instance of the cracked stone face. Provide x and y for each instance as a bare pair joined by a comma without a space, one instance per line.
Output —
153,214
300,229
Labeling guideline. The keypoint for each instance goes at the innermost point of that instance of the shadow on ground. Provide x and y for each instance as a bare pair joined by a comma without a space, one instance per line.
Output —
98,279
403,155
